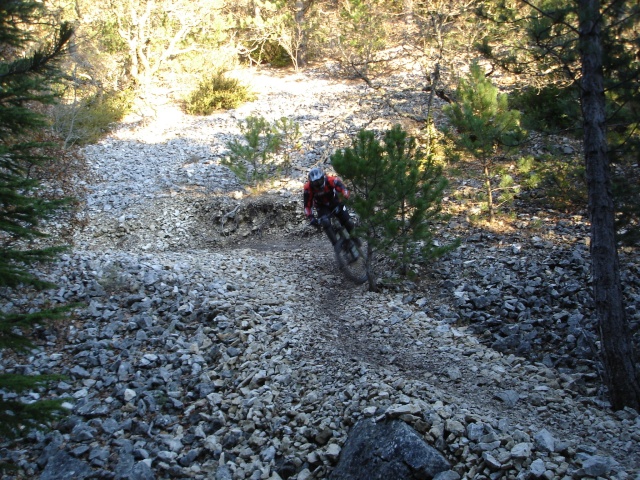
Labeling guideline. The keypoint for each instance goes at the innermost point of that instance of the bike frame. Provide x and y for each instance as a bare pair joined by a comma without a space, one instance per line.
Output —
347,250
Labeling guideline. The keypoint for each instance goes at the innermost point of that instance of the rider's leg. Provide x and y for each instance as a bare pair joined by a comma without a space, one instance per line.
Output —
325,221
345,220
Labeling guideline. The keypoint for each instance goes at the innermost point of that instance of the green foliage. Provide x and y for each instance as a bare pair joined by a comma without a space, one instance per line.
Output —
266,148
549,109
506,190
142,44
24,383
527,40
362,35
19,417
217,92
626,188
22,83
397,194
622,70
289,133
484,124
12,324
527,168
87,120
542,40
155,33
482,116
275,33
111,42
555,182
25,84
275,55
252,159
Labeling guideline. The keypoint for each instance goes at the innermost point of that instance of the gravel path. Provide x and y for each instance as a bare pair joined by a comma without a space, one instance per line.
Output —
219,340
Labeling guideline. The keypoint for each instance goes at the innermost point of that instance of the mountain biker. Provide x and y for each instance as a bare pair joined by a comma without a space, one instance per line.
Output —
324,192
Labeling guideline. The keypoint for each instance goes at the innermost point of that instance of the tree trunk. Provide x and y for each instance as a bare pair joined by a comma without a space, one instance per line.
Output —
371,278
407,7
487,183
616,343
301,8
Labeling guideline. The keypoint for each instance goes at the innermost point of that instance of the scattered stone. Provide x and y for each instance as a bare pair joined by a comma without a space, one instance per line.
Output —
537,468
544,441
214,337
521,450
62,465
387,450
597,466
509,397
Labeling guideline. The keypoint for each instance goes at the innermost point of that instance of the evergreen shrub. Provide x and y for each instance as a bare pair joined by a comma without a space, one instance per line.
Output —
252,158
397,194
88,120
548,109
275,55
217,92
266,148
484,126
557,182
289,134
27,79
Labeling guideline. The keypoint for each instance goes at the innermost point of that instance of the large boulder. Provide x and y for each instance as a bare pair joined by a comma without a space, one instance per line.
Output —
63,466
387,450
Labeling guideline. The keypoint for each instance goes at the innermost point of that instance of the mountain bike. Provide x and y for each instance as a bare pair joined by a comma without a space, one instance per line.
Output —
349,252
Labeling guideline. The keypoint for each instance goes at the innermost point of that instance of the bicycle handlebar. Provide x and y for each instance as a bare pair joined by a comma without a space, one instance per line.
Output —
332,212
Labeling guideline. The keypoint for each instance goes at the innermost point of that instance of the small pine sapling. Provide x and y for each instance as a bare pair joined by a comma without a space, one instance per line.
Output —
252,159
397,194
484,125
289,134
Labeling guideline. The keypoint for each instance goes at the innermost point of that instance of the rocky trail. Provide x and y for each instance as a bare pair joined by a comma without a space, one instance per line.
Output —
219,341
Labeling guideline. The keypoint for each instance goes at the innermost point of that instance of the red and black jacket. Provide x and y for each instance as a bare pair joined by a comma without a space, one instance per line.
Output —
326,197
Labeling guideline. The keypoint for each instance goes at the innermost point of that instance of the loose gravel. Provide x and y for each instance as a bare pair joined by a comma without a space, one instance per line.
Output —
217,339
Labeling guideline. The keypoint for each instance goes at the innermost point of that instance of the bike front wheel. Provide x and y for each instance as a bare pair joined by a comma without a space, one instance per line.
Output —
352,260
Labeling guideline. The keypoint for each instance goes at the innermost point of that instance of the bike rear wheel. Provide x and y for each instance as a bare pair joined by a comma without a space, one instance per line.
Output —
352,260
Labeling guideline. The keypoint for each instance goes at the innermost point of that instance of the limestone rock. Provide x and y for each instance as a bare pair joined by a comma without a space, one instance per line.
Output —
387,450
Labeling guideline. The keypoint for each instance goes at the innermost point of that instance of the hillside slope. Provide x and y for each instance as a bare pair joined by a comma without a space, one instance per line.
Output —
220,341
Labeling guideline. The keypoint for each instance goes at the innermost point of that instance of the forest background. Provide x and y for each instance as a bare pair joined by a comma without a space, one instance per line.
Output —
552,59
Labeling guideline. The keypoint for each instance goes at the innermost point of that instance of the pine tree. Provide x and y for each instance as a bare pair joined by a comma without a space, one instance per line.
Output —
593,46
397,194
363,166
25,82
618,355
484,124
416,196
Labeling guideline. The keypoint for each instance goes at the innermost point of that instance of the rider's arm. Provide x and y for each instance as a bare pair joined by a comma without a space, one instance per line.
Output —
308,201
339,187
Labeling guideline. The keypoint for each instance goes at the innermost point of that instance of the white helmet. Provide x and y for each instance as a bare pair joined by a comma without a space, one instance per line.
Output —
316,178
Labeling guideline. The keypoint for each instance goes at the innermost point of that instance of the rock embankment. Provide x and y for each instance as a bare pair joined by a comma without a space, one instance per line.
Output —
218,341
